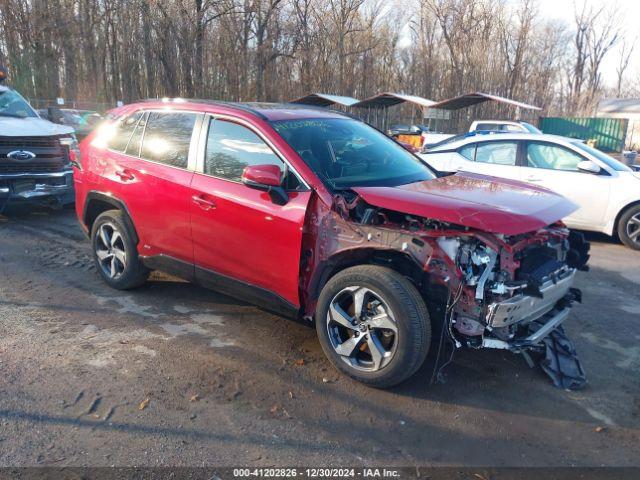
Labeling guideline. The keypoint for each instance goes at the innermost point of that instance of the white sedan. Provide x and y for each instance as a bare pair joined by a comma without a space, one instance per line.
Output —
607,191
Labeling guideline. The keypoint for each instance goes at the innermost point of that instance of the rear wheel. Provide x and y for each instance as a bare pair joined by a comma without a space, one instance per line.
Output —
629,227
373,325
114,252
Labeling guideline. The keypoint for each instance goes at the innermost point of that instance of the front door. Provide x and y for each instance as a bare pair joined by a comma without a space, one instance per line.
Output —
239,233
556,168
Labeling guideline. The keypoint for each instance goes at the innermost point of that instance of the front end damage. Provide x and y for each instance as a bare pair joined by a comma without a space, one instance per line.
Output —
483,290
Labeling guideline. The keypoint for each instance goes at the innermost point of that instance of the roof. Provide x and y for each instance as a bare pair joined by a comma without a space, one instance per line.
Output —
265,111
619,105
325,100
388,99
464,101
470,137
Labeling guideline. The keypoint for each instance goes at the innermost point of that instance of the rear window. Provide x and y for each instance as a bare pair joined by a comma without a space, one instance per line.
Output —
167,138
122,133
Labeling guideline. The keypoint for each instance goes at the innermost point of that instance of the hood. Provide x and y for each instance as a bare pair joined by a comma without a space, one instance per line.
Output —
31,127
476,201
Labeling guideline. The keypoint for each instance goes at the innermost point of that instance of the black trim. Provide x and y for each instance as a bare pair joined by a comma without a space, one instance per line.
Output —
115,202
222,283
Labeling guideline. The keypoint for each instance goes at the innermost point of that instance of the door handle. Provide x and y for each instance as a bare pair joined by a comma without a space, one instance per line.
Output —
125,175
533,179
203,203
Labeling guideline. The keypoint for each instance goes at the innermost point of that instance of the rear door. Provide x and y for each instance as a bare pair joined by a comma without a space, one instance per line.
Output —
498,158
556,167
239,233
155,174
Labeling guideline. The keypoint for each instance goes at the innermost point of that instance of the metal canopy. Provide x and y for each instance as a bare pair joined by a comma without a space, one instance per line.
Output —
325,100
470,99
389,99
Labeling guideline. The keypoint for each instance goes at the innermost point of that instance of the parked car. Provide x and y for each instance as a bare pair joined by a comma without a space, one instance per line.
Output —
481,126
35,154
606,191
318,216
503,126
82,121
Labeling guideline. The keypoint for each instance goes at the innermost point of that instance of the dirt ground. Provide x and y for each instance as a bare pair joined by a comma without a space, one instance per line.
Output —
173,374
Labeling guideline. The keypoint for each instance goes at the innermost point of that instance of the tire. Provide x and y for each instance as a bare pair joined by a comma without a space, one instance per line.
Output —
629,227
114,252
390,301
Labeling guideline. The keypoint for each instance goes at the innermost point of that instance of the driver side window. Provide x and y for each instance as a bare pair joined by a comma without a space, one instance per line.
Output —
552,157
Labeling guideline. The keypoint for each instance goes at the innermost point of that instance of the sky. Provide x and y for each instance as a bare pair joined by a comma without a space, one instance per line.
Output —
563,10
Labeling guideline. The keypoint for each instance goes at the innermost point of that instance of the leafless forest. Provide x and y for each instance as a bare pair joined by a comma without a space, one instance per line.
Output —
108,50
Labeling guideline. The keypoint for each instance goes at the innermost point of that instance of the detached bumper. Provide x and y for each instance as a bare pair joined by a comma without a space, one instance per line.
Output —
34,186
532,318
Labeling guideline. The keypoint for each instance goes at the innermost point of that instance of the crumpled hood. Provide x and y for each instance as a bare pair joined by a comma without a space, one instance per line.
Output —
476,201
31,127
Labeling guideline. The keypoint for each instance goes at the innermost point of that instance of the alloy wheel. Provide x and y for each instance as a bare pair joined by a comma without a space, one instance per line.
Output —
633,229
362,329
110,250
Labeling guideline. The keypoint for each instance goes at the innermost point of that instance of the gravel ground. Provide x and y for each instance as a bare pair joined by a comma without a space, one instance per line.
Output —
172,374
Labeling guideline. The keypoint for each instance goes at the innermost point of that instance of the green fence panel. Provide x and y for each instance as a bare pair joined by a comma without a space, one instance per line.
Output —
608,133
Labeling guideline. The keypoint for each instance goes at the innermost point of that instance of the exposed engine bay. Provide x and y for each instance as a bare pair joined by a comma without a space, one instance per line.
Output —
482,289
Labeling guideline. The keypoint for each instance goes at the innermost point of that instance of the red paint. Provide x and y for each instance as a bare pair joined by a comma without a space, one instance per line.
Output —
269,175
475,201
238,231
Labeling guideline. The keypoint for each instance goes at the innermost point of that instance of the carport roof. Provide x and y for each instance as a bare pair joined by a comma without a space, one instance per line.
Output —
389,99
325,100
464,101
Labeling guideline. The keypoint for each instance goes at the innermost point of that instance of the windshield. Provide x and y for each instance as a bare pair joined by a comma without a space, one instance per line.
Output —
603,157
347,153
13,105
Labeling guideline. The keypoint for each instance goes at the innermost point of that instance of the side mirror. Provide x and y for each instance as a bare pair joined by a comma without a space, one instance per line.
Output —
267,178
588,166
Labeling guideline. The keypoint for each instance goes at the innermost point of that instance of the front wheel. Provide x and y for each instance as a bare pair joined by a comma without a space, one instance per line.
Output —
629,227
373,325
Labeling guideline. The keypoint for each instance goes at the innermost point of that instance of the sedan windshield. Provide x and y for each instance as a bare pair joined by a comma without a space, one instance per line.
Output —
13,105
603,157
347,153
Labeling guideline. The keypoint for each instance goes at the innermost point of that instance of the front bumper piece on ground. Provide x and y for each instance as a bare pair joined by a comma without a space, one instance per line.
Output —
545,337
37,186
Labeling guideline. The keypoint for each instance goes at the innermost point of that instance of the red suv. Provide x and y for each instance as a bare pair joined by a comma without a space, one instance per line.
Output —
316,215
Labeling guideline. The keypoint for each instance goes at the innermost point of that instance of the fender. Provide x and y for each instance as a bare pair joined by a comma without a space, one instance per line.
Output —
94,195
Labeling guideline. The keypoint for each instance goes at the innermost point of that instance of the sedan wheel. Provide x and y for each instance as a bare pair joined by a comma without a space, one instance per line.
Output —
362,329
633,229
629,227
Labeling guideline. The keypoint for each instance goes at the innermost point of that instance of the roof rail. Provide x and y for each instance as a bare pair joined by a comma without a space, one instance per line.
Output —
234,105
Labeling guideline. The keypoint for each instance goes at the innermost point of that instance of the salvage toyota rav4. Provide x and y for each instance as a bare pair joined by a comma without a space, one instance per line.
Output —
316,215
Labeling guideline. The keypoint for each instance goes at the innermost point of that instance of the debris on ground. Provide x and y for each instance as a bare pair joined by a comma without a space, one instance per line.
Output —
194,398
299,362
144,404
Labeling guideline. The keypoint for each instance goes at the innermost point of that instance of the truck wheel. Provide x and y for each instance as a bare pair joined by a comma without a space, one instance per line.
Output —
114,252
629,227
373,325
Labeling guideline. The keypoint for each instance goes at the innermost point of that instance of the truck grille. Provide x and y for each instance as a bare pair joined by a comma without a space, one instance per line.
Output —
50,155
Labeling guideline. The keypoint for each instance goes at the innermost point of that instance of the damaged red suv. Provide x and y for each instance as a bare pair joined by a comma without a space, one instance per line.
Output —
316,215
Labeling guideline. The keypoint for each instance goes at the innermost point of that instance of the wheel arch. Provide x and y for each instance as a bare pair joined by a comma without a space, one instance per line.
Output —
622,212
97,203
393,259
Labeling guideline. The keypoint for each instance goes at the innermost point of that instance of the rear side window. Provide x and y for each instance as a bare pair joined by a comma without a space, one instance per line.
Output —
231,147
498,153
136,139
123,131
167,138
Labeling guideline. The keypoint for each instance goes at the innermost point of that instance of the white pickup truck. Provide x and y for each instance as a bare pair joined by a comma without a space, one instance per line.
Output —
430,139
35,154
